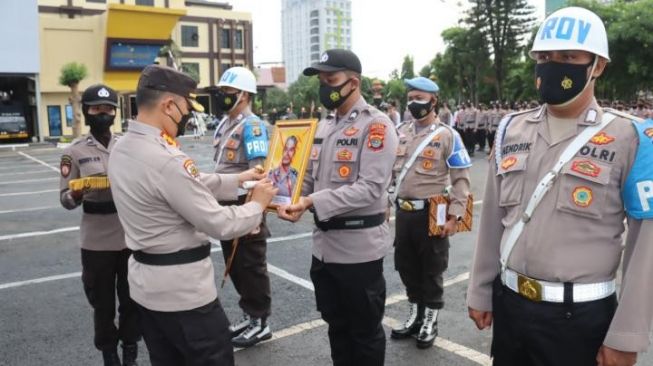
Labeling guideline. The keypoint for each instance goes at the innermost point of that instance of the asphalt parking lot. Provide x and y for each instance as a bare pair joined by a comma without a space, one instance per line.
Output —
45,319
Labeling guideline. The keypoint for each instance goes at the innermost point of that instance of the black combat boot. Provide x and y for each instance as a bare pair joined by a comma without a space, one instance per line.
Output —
429,329
110,357
411,325
129,354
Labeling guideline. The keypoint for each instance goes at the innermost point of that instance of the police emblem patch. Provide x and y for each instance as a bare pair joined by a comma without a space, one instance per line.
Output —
649,132
257,131
231,155
586,167
429,153
345,155
602,138
66,165
231,144
508,162
325,57
566,83
427,164
582,196
335,96
103,93
351,131
344,171
376,137
191,168
314,153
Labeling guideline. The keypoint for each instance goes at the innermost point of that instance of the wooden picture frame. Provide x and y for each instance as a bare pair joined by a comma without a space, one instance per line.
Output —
293,137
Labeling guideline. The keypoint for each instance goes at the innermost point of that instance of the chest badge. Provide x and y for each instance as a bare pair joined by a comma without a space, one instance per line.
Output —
586,167
582,196
344,171
602,138
231,155
351,131
427,164
429,153
345,155
508,162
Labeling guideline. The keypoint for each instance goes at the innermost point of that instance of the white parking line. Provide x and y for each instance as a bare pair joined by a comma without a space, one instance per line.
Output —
38,233
35,180
28,209
38,161
39,280
291,277
27,172
28,193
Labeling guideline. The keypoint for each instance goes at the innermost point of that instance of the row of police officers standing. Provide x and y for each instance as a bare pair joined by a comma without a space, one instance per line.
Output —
544,268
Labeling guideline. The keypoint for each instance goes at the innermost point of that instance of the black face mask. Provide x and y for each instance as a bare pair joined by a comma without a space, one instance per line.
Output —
181,125
99,123
377,102
331,96
419,109
227,102
558,83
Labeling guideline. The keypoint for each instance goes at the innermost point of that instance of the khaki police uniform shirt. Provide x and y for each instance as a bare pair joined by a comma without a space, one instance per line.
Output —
471,120
165,205
481,119
230,140
87,157
445,116
430,175
575,234
494,117
349,174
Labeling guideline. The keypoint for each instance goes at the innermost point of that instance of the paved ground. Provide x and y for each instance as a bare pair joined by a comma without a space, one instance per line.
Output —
45,320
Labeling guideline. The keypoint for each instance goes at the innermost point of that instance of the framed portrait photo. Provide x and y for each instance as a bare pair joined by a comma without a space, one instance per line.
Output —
288,158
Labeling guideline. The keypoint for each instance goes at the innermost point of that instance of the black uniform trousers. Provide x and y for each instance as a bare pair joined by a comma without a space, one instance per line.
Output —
104,274
249,271
480,138
469,139
198,337
529,333
351,299
490,138
420,259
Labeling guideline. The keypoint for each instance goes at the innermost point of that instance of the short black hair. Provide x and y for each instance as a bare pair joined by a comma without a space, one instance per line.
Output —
146,98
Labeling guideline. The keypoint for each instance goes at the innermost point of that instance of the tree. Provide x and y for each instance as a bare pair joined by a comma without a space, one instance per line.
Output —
71,74
304,92
407,68
276,98
395,89
504,23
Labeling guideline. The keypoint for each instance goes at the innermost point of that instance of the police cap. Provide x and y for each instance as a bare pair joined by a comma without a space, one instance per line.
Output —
335,60
167,79
100,94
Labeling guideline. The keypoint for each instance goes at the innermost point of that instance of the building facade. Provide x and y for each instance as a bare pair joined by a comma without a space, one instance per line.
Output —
116,39
309,27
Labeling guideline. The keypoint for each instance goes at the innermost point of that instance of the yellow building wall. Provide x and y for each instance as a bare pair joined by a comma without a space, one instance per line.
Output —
204,65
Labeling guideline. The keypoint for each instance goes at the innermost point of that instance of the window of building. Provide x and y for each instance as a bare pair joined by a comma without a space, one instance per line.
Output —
316,21
189,36
225,38
97,1
54,120
315,56
192,69
328,20
69,115
239,64
238,39
315,48
145,2
224,67
315,13
315,39
315,31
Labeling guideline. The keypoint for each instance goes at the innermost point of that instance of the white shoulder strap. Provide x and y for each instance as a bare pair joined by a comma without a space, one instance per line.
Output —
231,133
413,157
546,183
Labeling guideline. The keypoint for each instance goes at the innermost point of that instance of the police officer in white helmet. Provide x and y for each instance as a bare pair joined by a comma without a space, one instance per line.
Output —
564,179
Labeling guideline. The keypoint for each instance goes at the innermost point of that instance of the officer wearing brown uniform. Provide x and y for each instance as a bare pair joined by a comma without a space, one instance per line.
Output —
565,177
494,117
345,187
104,254
430,157
470,125
482,121
167,208
241,143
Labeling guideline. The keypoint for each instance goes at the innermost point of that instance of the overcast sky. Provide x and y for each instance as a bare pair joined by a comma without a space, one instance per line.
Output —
383,31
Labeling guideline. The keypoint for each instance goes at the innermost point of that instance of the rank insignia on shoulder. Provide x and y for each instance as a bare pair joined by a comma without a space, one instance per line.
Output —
508,162
351,131
66,165
169,139
344,171
602,138
191,168
586,167
582,196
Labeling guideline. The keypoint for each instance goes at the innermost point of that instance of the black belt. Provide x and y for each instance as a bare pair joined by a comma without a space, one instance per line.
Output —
168,259
99,208
350,223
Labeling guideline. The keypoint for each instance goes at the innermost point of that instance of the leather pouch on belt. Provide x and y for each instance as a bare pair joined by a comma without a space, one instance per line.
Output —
438,208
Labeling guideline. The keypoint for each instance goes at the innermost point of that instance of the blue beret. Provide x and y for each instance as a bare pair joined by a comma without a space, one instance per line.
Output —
423,84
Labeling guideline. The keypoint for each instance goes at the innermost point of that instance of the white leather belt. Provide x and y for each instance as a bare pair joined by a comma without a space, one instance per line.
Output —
537,290
410,205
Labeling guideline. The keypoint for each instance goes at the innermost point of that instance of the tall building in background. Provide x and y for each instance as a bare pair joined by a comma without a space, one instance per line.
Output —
553,5
309,27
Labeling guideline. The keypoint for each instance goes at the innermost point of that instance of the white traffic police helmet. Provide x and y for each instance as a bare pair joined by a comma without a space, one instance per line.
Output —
572,28
239,78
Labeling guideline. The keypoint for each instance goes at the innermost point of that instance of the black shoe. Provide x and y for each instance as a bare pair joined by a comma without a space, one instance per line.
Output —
110,357
429,329
129,354
257,331
412,325
239,326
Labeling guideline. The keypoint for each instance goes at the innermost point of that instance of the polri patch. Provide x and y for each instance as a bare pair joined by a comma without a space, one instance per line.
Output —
345,155
602,138
582,196
191,168
344,171
586,167
376,137
66,165
427,164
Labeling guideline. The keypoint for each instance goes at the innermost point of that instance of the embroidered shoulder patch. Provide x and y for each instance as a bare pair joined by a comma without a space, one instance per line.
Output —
602,138
376,137
191,168
66,165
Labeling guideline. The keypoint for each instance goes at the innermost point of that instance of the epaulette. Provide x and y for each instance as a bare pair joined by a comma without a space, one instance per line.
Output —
623,115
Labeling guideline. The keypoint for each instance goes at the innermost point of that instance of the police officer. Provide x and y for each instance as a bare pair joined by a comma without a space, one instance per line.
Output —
430,157
168,208
494,117
470,125
550,238
104,254
482,121
345,188
241,143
